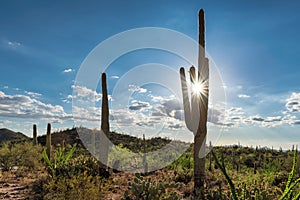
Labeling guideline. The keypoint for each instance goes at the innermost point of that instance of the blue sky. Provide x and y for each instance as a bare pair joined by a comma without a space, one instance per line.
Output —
254,44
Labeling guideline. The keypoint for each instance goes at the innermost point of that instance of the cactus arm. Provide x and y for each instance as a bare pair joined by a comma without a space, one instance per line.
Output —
186,101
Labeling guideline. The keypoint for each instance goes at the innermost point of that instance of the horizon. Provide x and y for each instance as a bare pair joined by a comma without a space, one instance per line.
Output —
239,145
253,45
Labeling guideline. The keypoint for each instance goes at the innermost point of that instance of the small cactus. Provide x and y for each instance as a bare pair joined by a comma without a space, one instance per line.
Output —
48,140
34,134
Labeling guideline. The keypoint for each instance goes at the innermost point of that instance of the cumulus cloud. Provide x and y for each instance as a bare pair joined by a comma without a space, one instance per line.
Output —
13,44
138,105
244,96
33,94
293,102
138,89
22,106
115,77
122,117
236,116
84,93
68,70
167,106
83,114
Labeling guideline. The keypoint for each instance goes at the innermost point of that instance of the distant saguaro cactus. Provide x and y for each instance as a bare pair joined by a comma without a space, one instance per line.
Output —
48,140
104,121
34,135
195,111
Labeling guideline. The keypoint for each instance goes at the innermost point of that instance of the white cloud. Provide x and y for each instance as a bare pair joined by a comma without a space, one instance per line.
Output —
68,70
115,77
293,103
22,106
86,113
243,96
33,94
138,89
5,87
139,105
66,101
236,116
13,44
83,93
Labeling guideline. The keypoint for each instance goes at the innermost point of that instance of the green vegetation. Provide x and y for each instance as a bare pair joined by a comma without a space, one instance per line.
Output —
288,192
23,154
72,173
150,190
60,159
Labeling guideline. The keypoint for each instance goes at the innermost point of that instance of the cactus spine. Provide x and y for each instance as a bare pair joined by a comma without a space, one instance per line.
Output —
35,134
195,111
48,140
104,121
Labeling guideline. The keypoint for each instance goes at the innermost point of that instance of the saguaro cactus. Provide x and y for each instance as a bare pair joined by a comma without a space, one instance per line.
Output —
104,121
34,135
48,140
195,111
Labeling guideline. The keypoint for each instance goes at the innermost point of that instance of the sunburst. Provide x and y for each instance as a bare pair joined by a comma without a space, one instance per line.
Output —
200,88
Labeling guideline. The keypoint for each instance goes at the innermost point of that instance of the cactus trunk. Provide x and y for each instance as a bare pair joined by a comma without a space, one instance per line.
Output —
104,122
48,140
199,141
34,134
195,111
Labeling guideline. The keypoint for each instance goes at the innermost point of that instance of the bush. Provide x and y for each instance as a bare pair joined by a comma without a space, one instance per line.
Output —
80,186
56,166
150,190
23,154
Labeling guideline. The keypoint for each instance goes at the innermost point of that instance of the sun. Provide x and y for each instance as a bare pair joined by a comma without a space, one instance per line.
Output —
198,88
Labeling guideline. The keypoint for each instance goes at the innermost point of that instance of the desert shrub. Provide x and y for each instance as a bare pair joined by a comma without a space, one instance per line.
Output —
65,164
57,165
80,186
84,164
141,189
184,176
290,191
7,159
23,154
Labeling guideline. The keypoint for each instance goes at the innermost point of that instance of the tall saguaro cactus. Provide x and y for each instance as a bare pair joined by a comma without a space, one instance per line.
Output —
48,140
34,135
195,110
104,121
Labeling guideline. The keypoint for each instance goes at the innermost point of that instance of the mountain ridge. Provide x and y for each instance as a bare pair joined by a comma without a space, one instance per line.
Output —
9,135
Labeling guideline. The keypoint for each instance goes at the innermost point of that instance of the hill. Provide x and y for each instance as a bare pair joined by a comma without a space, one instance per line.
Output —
9,135
71,136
